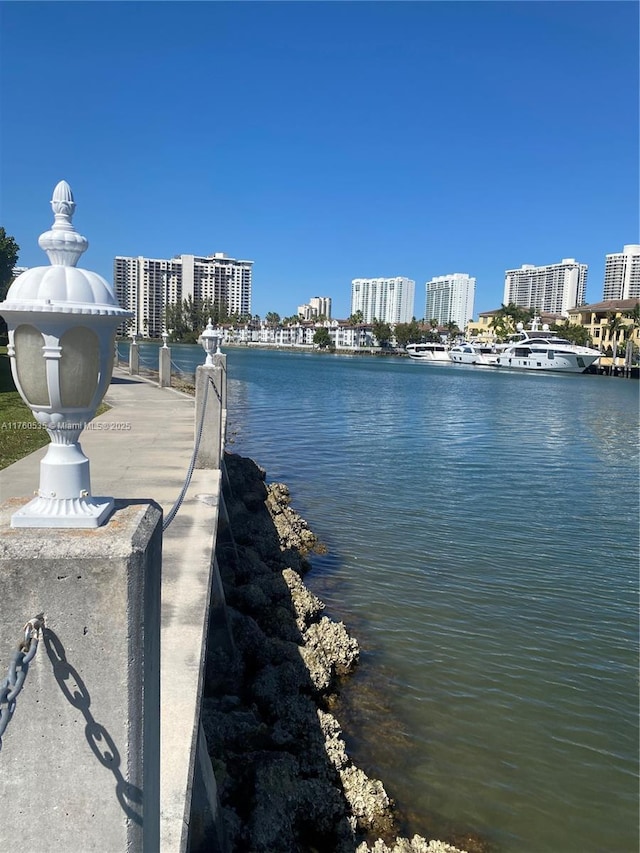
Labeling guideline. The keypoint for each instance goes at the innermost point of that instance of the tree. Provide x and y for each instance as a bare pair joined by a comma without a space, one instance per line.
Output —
381,332
634,315
616,327
406,333
272,319
452,330
573,332
356,320
9,250
322,338
504,322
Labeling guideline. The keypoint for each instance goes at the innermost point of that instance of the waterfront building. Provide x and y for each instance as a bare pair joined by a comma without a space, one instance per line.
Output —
318,306
597,316
622,274
554,288
147,285
387,299
450,299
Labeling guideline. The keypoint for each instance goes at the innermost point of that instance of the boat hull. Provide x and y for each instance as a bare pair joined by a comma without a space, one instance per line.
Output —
560,363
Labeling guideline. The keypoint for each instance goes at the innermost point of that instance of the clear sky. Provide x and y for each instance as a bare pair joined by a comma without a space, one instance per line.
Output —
326,141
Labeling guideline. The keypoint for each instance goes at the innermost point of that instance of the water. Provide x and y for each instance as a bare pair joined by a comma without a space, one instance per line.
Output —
483,546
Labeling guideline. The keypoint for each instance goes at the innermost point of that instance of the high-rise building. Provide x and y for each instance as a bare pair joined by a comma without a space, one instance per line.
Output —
552,289
622,274
318,306
147,285
387,299
450,299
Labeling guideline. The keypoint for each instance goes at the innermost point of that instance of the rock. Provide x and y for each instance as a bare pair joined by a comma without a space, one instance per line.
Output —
285,778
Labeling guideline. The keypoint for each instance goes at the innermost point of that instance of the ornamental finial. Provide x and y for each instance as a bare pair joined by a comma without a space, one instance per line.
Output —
62,204
62,243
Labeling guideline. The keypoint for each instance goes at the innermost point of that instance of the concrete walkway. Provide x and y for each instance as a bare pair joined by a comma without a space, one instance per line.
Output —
141,448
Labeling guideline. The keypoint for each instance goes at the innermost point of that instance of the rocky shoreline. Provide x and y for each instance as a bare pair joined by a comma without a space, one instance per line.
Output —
286,782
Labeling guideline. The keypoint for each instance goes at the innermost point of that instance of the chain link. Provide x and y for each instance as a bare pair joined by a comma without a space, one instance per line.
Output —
13,682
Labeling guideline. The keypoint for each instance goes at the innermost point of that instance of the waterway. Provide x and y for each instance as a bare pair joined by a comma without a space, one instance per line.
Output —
483,541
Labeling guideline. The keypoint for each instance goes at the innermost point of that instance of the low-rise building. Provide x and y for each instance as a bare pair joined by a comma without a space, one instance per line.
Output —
597,319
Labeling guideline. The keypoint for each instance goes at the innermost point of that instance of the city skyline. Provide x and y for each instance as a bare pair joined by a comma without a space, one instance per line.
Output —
327,141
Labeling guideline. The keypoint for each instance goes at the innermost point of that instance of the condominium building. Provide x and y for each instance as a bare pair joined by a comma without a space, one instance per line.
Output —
387,299
554,288
622,274
318,306
450,299
147,285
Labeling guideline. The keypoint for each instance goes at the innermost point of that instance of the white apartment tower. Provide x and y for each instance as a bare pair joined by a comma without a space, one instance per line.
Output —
552,289
622,274
318,306
450,299
387,299
147,285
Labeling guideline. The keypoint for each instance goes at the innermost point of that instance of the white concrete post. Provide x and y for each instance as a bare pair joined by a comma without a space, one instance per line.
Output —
164,367
134,358
209,415
81,752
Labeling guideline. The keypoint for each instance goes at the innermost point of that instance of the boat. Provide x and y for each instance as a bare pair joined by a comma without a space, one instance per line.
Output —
431,352
476,353
541,349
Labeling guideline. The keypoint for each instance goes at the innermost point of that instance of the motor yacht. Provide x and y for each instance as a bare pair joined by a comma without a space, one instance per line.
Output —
431,352
540,349
476,353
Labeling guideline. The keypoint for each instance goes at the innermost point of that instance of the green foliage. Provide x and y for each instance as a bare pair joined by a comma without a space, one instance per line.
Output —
322,338
572,332
273,319
506,319
381,332
408,333
634,316
9,250
452,330
188,318
356,319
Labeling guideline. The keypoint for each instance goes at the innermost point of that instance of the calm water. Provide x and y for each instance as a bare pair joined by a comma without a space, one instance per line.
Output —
483,546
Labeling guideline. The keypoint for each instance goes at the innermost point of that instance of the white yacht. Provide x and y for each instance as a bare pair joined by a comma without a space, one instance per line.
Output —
476,353
541,349
431,352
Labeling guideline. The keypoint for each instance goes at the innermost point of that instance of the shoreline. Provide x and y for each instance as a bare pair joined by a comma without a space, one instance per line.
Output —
286,781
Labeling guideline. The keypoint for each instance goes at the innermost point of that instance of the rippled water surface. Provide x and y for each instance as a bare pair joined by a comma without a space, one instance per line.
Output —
482,530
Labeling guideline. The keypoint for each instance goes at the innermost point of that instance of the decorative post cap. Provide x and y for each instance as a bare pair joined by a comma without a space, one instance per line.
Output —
62,243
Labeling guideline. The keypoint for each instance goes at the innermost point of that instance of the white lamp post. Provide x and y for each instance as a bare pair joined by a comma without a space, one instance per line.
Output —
62,322
210,341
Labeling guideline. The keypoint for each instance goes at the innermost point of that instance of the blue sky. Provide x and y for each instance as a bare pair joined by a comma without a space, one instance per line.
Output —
326,141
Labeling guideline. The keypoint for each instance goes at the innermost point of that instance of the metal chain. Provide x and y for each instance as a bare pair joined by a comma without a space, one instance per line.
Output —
174,509
13,682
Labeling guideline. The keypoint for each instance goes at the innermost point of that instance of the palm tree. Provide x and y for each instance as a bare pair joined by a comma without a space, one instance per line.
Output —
616,327
452,330
634,315
356,320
